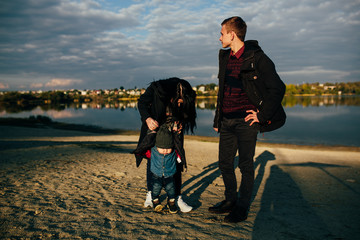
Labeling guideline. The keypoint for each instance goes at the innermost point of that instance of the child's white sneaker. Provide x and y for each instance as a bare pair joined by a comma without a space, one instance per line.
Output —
148,201
183,206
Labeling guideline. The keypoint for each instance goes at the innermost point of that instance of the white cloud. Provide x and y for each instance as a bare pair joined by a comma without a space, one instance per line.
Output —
36,86
70,58
59,82
315,73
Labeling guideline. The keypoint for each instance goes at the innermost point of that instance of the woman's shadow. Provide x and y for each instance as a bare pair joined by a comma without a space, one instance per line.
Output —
200,182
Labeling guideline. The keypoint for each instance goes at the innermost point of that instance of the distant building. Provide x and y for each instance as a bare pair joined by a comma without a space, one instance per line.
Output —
329,87
201,89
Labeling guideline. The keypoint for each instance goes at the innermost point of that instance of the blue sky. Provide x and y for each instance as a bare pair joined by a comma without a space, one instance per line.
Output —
99,44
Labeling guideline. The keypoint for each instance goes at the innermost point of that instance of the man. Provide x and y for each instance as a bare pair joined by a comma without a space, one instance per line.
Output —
249,101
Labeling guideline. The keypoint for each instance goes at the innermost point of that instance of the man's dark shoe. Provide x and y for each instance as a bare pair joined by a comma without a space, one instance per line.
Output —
222,207
238,214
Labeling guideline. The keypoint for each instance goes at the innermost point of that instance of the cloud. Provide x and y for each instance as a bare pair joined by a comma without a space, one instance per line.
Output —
314,74
4,85
58,82
36,85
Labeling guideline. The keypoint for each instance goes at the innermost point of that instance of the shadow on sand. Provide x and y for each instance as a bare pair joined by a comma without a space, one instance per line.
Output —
282,202
290,214
201,181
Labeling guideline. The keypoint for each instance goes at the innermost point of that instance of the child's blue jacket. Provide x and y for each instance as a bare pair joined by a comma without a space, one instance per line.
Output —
163,165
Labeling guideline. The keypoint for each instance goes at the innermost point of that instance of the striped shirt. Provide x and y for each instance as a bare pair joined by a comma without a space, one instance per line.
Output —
236,101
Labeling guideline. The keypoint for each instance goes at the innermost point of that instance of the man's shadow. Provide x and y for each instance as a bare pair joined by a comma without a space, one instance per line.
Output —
285,213
324,168
261,162
201,181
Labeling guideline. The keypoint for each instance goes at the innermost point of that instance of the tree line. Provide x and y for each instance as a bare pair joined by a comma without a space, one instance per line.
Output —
204,90
316,89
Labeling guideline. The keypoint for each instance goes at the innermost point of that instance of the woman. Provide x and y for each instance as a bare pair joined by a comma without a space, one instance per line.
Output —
166,98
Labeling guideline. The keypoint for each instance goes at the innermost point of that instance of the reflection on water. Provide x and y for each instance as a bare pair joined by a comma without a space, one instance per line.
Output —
17,108
201,103
307,101
116,105
330,120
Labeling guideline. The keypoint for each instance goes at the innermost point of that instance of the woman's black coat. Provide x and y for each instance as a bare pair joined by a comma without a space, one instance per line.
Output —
153,104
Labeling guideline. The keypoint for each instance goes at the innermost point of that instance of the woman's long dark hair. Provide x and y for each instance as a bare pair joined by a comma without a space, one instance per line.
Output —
186,112
172,90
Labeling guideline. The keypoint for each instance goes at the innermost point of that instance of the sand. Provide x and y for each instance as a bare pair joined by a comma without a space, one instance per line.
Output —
58,184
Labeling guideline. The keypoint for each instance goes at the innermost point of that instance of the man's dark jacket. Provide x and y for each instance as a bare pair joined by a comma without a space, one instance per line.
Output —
261,83
153,104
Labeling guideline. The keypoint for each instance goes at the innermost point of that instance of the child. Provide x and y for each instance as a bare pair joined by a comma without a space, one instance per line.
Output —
163,167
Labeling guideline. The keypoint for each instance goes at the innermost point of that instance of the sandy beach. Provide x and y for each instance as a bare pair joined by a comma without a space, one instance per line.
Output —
62,184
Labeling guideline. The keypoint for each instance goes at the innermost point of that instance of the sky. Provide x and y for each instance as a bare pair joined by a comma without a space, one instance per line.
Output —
107,44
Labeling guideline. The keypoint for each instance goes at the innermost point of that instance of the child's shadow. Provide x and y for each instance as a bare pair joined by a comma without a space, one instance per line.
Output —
206,179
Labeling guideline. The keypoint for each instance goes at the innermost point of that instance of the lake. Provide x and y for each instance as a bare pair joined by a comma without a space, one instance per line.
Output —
330,120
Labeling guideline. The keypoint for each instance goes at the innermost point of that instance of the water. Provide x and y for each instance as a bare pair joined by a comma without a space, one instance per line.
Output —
325,125
310,120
